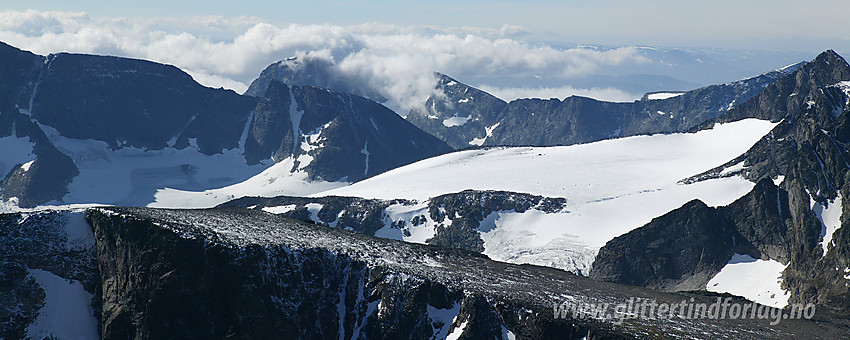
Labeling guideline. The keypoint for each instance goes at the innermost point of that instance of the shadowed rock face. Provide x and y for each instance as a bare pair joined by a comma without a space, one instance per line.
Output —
346,136
681,250
127,102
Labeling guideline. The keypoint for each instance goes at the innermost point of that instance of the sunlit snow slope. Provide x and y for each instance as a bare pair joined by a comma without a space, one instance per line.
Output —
170,177
755,279
611,187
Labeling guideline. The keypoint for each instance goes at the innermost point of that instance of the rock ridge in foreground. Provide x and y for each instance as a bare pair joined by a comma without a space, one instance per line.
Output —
248,274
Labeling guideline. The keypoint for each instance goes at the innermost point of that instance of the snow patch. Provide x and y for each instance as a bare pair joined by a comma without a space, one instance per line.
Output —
733,169
282,209
756,280
416,232
78,231
442,319
489,129
67,312
457,331
309,143
26,166
295,117
830,219
663,95
365,151
456,121
477,141
809,104
488,133
314,209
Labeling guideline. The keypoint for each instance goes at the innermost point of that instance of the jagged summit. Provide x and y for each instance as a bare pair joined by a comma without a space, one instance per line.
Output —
793,91
458,114
311,71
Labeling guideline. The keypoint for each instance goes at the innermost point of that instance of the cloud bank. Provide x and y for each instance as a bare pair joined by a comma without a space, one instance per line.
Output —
396,61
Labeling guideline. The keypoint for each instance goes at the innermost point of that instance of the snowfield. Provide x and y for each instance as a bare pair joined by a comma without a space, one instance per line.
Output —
277,180
830,219
611,187
756,280
170,177
66,313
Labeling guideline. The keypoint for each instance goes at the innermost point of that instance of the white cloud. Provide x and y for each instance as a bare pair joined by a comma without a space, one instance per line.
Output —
396,61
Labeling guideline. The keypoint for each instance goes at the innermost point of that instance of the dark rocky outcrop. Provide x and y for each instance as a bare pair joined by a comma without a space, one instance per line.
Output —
683,249
790,93
678,251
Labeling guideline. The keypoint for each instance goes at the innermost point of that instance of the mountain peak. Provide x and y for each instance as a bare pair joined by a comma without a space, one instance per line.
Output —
828,56
313,71
829,68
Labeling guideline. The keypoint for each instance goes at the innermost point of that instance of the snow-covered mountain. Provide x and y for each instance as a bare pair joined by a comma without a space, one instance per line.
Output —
795,225
95,129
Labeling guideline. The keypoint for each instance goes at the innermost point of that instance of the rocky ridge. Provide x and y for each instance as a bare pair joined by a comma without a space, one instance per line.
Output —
465,117
450,220
342,283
